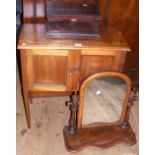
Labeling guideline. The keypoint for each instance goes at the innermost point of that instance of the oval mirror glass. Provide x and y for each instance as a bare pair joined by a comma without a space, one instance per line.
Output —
103,100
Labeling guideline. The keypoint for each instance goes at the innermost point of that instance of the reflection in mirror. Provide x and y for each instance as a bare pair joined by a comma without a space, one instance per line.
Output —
103,100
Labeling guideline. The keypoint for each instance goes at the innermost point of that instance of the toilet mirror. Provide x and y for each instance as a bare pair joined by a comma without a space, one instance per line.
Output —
103,99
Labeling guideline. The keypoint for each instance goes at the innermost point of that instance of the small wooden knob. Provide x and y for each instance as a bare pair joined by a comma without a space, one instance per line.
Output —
68,103
76,68
70,70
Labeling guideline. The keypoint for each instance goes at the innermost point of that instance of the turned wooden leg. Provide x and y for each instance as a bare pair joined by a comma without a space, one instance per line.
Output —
25,86
73,116
132,97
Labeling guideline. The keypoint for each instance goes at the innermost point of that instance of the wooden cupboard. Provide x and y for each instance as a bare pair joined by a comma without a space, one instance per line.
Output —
60,65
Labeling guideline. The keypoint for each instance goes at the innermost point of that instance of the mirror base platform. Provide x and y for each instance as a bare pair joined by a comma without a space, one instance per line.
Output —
101,137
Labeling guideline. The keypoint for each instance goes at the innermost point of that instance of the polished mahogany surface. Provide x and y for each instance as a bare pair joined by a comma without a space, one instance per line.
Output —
33,36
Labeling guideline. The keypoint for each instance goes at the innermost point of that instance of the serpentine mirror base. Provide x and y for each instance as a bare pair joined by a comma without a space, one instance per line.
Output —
102,137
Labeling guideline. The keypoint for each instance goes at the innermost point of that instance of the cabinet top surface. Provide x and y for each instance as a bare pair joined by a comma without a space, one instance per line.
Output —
32,36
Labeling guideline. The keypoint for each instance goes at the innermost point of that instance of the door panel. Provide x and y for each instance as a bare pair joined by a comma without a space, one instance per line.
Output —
48,70
92,64
53,70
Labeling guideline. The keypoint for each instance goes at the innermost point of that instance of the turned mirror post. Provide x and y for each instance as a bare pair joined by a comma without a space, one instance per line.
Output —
73,106
73,115
132,97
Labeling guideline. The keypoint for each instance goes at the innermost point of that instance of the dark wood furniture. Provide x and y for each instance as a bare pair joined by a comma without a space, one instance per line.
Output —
59,11
60,65
72,20
100,134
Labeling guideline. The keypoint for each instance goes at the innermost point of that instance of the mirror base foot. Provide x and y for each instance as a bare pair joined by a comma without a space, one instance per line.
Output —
102,137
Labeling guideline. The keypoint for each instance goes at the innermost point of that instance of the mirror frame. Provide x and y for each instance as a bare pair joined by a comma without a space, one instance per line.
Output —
81,99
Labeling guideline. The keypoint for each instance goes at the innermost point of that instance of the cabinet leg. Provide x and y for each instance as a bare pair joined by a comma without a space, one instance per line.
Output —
73,116
26,96
27,108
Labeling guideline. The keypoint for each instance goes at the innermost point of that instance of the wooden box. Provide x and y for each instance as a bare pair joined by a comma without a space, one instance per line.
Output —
72,20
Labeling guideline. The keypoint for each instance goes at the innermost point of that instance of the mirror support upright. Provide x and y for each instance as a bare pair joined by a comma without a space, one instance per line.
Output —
73,106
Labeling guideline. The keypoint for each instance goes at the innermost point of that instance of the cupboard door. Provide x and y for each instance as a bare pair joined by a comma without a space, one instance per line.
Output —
52,70
98,61
48,70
